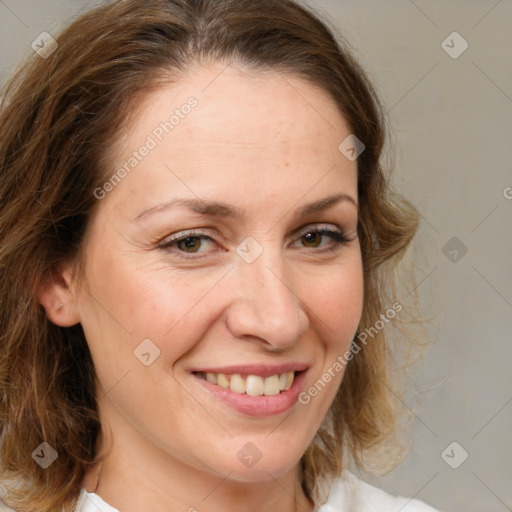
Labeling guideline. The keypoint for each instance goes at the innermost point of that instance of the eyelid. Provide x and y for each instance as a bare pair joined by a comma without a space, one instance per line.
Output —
214,233
317,227
197,232
339,238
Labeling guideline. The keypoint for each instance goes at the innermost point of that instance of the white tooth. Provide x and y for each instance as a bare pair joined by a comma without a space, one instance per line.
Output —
222,381
271,386
289,380
237,384
282,381
211,378
254,385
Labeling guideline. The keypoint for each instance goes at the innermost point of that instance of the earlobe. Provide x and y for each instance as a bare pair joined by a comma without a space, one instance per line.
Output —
59,300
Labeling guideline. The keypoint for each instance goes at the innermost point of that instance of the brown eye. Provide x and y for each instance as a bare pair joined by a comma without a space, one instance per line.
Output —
190,242
313,238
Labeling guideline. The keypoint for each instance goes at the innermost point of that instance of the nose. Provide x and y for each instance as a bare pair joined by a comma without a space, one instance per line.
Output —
267,307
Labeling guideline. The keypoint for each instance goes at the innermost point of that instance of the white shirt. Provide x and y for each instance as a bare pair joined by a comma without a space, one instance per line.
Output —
347,494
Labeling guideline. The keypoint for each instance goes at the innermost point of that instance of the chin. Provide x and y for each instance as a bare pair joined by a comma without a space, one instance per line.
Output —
260,472
252,464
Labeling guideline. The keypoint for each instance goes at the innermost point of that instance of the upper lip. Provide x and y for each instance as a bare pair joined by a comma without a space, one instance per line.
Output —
262,370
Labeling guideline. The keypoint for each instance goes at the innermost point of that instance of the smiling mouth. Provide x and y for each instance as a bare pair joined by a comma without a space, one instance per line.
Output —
252,385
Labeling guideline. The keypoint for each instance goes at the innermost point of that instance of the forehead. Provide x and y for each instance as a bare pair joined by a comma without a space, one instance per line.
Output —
248,132
241,107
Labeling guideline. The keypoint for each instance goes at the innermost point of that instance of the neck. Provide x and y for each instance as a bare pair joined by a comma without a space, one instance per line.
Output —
135,487
159,482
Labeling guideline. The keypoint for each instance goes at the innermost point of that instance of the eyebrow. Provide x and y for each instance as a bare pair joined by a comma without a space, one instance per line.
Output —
224,210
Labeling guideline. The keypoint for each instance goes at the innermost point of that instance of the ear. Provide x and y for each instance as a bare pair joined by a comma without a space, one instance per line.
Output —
58,297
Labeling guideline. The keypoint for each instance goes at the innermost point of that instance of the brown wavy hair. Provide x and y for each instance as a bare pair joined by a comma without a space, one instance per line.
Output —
58,117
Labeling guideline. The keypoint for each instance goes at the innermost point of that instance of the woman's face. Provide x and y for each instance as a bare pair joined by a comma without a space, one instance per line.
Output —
236,289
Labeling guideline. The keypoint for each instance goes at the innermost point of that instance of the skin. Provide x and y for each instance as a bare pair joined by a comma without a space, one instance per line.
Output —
261,141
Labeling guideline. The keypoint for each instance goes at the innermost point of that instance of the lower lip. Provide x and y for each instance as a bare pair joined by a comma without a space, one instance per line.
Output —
257,405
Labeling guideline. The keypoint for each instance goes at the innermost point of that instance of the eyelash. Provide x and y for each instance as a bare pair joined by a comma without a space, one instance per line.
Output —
339,239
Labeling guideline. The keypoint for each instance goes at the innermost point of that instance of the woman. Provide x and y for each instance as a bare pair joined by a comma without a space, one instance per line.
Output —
198,243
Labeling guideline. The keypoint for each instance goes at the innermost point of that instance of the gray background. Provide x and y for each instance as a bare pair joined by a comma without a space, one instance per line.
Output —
452,119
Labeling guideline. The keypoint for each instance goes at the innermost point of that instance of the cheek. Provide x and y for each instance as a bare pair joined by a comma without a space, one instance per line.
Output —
129,303
338,307
337,302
